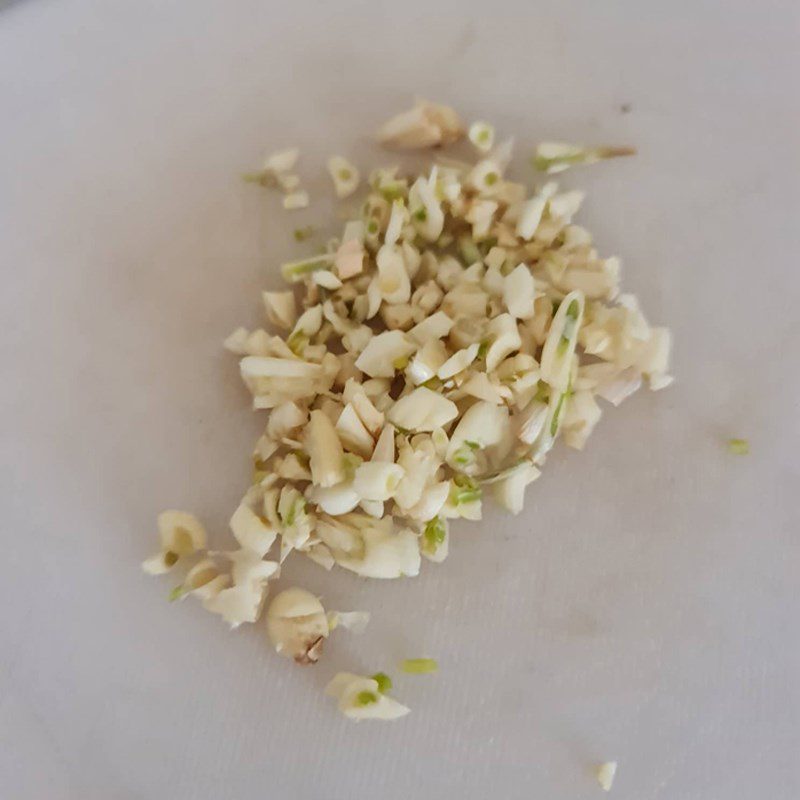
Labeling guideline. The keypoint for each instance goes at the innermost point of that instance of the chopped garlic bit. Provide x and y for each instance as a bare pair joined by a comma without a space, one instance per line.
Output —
427,358
296,200
606,773
481,134
181,534
359,697
425,125
344,175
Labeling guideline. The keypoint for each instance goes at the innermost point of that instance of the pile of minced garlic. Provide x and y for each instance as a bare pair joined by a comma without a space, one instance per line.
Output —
427,359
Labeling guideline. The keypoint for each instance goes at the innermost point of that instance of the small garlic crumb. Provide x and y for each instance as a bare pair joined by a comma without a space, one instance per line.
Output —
481,134
419,666
345,176
606,773
296,200
738,447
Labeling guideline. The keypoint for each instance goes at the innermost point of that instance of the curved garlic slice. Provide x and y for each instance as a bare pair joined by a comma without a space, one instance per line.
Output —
559,346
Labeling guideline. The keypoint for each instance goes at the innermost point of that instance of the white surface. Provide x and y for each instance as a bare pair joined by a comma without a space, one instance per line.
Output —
644,609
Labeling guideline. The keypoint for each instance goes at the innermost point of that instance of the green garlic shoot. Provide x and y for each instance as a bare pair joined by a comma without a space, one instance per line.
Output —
301,234
419,666
434,534
554,157
738,447
366,698
464,490
384,682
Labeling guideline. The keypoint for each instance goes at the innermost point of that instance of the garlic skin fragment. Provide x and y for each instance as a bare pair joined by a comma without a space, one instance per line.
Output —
360,698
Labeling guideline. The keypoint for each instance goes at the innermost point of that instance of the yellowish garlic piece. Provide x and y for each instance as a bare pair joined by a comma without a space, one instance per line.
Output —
479,385
285,420
326,279
324,450
335,500
296,200
504,339
552,157
508,489
344,175
377,480
530,422
281,309
398,218
384,447
482,426
581,416
422,410
606,773
203,579
244,601
519,292
427,361
425,208
531,211
251,530
282,160
181,534
352,433
565,206
353,621
385,554
431,502
458,362
371,418
485,177
296,522
349,259
297,625
480,216
481,134
393,280
360,698
436,326
385,354
237,342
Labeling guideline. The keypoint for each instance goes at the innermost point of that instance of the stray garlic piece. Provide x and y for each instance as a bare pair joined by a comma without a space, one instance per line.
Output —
606,773
425,125
361,698
344,175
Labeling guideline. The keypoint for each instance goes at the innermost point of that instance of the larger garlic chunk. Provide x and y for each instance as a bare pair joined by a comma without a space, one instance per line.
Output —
297,625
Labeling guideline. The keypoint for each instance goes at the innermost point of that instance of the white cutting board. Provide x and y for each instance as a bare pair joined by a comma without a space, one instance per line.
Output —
643,608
